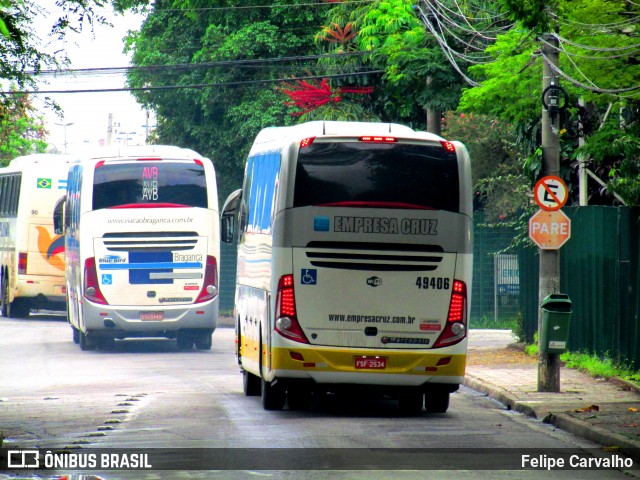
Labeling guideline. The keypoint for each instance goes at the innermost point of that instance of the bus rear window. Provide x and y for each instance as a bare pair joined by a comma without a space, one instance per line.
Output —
148,184
386,174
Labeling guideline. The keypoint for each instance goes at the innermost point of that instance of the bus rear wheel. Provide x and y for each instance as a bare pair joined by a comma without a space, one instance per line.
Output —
4,297
20,308
273,396
250,384
203,341
85,342
437,402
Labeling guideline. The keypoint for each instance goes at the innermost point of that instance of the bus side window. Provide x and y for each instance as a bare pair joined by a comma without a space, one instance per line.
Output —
58,215
229,215
4,197
15,195
243,215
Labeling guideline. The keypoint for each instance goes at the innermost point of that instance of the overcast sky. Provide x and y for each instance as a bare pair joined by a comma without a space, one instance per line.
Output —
87,114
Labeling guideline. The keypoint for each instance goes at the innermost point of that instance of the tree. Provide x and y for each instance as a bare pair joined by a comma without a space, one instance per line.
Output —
234,55
598,45
21,130
417,82
22,56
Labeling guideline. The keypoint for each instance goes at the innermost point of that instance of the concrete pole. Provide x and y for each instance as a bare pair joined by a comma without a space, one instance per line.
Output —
434,117
582,167
109,128
549,281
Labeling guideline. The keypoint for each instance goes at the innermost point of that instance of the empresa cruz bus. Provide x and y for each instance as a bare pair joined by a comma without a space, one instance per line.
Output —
354,263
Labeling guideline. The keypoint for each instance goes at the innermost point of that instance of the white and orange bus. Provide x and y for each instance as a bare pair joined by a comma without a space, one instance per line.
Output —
31,254
354,263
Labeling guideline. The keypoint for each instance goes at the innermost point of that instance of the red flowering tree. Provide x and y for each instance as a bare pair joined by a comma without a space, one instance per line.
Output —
309,95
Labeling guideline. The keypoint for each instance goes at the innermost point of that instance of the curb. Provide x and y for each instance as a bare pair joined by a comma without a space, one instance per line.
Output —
569,423
563,421
499,394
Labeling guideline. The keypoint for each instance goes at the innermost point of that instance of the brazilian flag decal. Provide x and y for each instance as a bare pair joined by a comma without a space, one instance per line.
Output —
44,183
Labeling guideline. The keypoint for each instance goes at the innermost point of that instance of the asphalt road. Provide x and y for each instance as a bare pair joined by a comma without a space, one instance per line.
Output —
148,394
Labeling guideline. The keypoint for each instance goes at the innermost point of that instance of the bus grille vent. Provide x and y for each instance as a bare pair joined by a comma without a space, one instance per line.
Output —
150,241
390,257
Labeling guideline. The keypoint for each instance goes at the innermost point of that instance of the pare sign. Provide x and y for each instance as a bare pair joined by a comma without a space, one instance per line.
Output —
549,230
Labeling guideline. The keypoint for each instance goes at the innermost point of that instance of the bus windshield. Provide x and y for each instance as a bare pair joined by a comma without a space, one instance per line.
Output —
147,183
381,175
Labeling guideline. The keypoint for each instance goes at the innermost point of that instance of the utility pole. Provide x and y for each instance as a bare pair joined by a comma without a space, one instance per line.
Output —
109,128
549,280
65,125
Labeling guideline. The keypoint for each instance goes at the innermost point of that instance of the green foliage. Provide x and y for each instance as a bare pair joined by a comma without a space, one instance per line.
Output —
21,130
603,367
533,14
596,40
399,44
21,50
615,148
22,55
222,116
499,185
532,349
487,323
511,82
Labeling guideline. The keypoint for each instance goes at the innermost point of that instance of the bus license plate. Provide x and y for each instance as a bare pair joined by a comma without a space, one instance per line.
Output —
152,316
371,363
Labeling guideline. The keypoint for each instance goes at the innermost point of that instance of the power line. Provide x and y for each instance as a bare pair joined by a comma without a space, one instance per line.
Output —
251,7
197,86
189,66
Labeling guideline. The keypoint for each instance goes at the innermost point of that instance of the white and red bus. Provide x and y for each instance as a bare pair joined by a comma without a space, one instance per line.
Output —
142,246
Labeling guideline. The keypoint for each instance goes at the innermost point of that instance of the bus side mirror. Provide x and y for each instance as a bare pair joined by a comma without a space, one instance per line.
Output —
227,228
58,216
227,220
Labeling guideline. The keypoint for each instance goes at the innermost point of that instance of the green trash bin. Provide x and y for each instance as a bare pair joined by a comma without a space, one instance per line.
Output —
556,319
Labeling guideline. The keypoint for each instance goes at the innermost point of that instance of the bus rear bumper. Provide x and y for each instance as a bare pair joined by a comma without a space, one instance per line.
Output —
120,322
343,366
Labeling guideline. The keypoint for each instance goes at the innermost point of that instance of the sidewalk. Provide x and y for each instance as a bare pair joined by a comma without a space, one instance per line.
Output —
606,412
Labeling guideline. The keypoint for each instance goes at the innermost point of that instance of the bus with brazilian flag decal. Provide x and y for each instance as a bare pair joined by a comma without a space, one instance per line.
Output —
31,254
354,264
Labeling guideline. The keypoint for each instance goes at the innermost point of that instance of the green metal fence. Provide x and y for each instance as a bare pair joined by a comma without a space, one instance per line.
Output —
600,271
496,283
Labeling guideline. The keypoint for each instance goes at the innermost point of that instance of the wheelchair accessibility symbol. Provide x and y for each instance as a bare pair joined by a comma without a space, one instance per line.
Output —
107,279
308,276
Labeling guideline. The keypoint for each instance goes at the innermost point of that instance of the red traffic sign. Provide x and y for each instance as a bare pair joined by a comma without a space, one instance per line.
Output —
549,230
550,193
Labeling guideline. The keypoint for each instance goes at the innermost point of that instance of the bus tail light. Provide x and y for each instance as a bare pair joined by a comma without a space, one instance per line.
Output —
448,146
378,139
456,327
22,263
286,315
91,286
210,284
305,142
